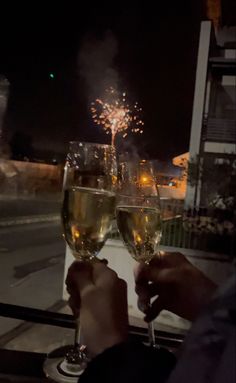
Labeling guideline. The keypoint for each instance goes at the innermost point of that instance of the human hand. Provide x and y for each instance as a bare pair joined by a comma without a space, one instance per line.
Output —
179,286
100,297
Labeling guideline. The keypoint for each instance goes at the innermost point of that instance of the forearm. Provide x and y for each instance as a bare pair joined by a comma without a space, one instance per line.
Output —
129,362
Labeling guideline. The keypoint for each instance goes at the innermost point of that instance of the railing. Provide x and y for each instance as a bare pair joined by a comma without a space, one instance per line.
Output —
67,321
192,230
220,130
17,365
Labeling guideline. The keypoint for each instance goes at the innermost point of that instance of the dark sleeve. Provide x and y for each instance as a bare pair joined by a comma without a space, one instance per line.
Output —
130,362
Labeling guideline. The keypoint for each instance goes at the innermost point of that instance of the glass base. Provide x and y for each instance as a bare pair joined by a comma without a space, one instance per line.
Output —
57,368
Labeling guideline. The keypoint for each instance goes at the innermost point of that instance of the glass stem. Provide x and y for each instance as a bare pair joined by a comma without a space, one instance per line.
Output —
77,338
151,334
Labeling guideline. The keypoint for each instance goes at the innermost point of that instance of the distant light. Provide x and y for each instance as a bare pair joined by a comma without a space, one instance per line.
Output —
145,179
51,75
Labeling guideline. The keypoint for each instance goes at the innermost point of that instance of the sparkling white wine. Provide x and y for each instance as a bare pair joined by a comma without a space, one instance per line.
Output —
86,216
140,228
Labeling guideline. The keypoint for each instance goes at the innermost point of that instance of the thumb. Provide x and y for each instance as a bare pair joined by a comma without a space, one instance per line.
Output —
154,310
104,261
79,275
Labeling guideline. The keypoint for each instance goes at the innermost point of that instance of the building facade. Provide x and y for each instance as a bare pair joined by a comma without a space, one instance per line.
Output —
213,128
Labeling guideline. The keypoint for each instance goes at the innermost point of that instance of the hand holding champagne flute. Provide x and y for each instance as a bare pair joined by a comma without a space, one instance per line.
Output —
87,213
138,214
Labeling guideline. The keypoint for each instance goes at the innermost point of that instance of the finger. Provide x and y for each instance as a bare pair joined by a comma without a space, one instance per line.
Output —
104,261
163,278
73,306
122,287
140,273
159,259
162,260
154,289
122,296
141,286
168,259
79,275
143,303
103,275
154,310
146,272
159,277
141,290
71,273
148,290
72,290
145,294
74,294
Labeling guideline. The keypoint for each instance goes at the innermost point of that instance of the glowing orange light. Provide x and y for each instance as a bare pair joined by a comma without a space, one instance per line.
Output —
145,179
75,232
137,237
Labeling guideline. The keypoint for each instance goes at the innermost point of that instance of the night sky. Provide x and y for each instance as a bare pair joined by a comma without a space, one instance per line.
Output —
155,61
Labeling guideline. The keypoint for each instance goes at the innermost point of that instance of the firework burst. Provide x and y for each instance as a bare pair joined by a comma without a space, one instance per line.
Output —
115,115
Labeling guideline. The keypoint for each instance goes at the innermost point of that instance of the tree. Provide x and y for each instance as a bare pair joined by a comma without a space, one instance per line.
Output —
217,177
214,222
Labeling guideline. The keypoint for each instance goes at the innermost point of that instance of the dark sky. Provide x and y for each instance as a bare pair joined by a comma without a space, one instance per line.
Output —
156,62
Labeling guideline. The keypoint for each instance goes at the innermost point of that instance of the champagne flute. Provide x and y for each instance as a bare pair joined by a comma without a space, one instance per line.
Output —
87,213
138,214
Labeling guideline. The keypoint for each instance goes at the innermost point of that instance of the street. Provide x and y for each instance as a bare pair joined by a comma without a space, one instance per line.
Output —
28,206
31,272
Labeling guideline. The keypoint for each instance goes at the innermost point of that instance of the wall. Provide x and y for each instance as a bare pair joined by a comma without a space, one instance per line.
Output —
29,178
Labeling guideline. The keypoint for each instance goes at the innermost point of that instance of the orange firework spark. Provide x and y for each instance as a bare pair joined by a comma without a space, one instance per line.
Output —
115,115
